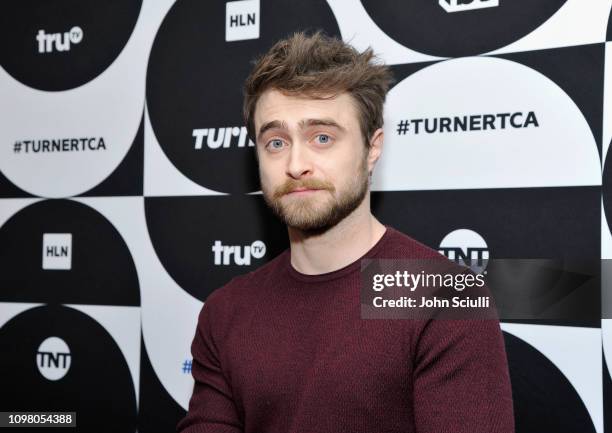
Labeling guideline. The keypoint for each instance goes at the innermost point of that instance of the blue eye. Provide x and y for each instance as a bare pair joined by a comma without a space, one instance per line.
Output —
272,142
324,138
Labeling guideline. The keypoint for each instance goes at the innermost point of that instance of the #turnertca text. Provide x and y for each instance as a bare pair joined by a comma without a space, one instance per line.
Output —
59,145
474,122
412,281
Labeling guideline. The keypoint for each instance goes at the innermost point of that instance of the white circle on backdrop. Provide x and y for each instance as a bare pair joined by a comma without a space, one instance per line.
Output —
466,239
53,358
561,151
463,238
108,107
76,35
258,249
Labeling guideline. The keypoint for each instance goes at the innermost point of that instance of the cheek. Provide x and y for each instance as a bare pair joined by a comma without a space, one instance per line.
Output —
268,173
348,169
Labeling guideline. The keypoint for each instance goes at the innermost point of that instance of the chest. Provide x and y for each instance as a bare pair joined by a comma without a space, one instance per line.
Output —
290,354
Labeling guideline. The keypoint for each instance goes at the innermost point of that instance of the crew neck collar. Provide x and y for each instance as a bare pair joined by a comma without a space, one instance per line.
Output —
332,275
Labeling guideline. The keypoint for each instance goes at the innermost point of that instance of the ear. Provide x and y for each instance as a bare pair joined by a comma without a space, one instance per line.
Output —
375,150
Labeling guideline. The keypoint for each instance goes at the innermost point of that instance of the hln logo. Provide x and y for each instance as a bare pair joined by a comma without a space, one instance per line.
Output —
46,41
57,251
53,358
241,255
241,20
466,5
466,248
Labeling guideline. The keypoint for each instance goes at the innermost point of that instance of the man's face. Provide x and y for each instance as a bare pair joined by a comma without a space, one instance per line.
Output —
312,159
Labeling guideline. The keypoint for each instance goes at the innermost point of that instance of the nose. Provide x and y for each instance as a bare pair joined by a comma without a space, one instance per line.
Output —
298,163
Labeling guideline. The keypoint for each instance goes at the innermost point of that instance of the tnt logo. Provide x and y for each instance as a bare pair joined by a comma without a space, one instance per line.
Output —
221,137
241,255
466,248
466,5
62,42
57,251
241,20
53,358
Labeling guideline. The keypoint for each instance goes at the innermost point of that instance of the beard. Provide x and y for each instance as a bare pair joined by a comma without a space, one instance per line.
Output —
317,212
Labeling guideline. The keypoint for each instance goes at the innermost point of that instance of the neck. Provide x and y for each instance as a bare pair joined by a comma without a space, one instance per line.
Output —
338,246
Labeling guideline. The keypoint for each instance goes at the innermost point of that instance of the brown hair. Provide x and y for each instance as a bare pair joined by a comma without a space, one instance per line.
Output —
316,66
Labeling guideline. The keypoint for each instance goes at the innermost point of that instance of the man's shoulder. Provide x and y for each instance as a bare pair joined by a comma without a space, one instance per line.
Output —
402,246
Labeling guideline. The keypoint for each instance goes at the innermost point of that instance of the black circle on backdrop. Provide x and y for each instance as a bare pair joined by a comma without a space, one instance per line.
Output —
607,392
195,79
105,28
606,188
98,385
609,32
185,247
424,26
539,389
102,269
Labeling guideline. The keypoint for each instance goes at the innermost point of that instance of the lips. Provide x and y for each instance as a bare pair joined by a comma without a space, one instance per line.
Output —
303,190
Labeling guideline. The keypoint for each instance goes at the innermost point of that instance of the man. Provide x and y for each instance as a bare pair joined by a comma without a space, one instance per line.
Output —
284,348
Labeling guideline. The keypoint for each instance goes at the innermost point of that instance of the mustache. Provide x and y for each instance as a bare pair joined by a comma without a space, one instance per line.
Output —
292,184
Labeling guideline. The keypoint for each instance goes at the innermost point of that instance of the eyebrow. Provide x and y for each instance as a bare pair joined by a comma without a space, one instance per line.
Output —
304,123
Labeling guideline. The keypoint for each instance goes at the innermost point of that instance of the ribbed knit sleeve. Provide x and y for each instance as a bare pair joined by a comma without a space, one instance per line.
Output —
211,407
461,379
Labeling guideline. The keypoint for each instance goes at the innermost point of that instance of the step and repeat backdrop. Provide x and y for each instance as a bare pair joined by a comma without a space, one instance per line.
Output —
128,186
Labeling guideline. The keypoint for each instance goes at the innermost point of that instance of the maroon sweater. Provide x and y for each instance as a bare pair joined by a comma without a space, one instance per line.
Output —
276,350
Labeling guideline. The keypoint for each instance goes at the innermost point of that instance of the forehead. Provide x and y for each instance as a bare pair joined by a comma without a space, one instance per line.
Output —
275,105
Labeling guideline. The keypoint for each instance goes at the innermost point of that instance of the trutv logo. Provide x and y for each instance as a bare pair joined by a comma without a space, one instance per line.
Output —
241,20
61,42
466,5
221,137
466,248
236,254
